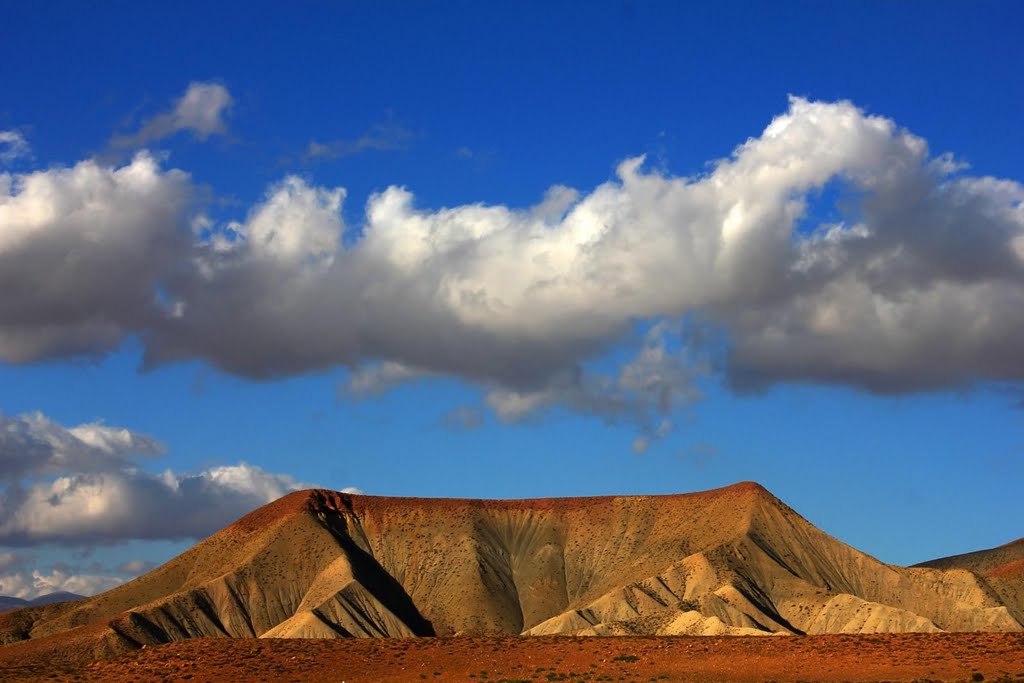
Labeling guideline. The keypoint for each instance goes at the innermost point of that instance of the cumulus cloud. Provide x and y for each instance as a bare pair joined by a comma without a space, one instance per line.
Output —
23,576
83,485
108,507
32,445
34,583
652,384
83,254
518,299
13,146
200,111
918,285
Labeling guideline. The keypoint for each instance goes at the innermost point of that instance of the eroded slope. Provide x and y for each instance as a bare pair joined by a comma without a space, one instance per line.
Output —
1001,568
326,564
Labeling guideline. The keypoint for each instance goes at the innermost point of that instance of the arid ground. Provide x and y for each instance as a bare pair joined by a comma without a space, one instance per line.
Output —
881,657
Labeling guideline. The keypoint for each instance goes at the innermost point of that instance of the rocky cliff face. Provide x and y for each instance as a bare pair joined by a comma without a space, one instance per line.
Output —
731,561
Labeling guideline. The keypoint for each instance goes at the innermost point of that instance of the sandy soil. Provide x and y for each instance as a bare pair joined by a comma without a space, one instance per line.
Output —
888,657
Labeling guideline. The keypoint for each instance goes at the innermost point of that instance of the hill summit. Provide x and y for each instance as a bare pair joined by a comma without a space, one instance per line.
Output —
324,564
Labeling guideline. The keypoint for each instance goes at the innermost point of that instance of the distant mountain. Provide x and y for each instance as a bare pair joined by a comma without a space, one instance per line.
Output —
1005,559
7,602
323,564
1002,569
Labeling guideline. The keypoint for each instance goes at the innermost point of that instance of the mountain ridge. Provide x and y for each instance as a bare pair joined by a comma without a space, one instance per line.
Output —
1000,568
319,563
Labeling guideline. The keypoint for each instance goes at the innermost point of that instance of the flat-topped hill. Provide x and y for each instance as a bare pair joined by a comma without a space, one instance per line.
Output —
326,564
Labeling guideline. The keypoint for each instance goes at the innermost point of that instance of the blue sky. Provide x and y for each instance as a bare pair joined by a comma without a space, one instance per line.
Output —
794,286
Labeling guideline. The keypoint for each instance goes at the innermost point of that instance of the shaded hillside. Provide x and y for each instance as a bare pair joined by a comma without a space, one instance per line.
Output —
324,564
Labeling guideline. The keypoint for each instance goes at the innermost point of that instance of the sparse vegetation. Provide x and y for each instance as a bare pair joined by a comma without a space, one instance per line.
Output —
633,660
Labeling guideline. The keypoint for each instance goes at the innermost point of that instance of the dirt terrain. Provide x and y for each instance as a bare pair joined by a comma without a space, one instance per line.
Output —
881,657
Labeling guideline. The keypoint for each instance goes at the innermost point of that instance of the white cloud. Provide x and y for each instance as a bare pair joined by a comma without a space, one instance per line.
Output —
919,285
663,377
13,146
376,378
21,576
518,299
83,486
656,381
32,445
200,111
248,480
28,585
107,507
512,406
113,440
83,254
82,584
297,226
